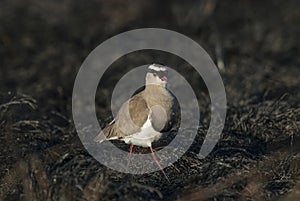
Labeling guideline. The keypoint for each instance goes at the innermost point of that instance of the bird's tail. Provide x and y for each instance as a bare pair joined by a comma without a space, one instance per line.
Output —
100,138
106,134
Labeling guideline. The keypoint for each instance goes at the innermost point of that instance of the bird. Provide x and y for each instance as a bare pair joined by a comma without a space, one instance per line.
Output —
143,118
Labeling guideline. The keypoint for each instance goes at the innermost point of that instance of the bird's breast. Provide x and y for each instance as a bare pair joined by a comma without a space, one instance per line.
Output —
145,136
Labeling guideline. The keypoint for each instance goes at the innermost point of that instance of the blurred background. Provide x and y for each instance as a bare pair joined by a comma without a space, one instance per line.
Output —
255,45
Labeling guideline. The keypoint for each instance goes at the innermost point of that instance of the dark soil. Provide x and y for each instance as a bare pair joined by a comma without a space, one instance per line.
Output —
256,46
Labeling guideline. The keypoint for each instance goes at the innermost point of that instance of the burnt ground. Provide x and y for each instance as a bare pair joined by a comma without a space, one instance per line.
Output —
42,45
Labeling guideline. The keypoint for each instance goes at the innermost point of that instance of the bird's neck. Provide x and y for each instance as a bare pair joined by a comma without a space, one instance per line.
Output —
156,93
155,88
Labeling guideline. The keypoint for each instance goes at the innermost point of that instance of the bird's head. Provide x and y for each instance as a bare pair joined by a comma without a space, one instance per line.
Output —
157,74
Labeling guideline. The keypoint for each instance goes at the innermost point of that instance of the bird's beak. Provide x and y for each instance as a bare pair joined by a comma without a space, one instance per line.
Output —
164,78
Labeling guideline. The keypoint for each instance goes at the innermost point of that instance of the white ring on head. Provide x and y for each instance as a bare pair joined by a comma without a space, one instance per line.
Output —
156,67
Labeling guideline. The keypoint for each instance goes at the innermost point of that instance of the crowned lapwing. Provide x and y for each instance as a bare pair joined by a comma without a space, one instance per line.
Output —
142,119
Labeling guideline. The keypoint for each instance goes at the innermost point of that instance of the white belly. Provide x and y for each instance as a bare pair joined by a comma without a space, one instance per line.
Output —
145,137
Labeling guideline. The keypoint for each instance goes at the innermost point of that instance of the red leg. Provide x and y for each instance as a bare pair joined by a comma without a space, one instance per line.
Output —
131,149
130,153
158,164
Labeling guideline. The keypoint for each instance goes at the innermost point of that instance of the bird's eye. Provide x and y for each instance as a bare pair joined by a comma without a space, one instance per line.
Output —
155,74
162,74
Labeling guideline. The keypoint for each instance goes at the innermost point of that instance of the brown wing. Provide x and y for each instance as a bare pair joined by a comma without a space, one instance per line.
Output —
107,132
161,110
131,116
161,116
